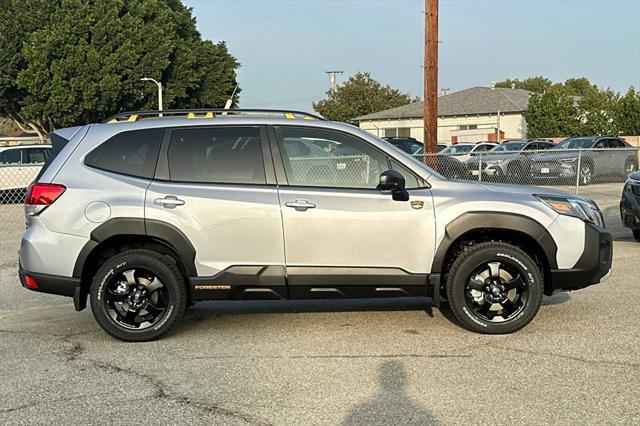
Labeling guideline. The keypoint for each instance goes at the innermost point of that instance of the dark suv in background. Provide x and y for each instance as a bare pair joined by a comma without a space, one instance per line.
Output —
599,157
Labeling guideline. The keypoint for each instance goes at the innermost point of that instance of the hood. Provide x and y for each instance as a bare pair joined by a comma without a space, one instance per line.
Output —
496,156
530,190
551,156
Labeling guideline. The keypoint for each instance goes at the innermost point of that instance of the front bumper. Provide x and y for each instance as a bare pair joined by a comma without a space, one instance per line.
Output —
553,170
593,266
630,208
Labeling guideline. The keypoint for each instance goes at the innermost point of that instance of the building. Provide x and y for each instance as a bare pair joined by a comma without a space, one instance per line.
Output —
471,115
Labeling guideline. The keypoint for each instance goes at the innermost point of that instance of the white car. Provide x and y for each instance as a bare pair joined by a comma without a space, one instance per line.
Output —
20,164
464,151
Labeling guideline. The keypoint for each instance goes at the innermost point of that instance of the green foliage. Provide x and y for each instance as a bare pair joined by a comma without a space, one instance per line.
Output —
360,95
552,114
627,113
70,62
578,108
532,84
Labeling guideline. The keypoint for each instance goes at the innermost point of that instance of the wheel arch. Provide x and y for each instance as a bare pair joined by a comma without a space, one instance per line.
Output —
121,234
518,230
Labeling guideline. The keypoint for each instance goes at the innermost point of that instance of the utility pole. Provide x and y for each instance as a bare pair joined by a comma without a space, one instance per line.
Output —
430,77
332,77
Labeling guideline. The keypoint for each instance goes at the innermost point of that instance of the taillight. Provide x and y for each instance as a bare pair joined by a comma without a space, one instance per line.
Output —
41,195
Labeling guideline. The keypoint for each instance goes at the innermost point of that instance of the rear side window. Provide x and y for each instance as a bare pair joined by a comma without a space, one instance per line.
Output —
216,155
10,156
133,153
35,155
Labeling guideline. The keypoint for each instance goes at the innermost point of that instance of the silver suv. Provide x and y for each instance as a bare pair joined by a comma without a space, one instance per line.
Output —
147,214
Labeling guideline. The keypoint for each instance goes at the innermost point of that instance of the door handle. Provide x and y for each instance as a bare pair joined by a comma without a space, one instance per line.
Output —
168,202
300,205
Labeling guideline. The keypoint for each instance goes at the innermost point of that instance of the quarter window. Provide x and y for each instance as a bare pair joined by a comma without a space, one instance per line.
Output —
11,156
345,162
133,153
217,155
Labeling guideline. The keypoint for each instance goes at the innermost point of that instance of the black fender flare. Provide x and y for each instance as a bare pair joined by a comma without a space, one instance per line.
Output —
488,220
161,231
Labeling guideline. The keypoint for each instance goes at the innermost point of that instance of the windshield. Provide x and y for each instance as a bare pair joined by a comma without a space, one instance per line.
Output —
576,143
456,149
513,146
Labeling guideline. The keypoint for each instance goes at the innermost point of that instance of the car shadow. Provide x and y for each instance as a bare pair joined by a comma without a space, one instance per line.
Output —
391,403
556,299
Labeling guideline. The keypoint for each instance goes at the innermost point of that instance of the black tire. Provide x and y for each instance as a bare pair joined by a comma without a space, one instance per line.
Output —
513,263
636,235
147,266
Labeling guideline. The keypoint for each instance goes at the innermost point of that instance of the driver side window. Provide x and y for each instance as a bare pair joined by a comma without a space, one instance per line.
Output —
327,158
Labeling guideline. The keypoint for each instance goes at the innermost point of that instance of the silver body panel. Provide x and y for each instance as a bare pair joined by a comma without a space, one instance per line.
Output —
251,225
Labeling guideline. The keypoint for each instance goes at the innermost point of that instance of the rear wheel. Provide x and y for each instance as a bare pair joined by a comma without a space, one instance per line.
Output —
138,295
636,235
494,288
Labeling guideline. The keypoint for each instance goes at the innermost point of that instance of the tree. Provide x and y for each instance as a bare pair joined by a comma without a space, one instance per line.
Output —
552,114
580,86
532,84
64,63
627,113
360,95
596,112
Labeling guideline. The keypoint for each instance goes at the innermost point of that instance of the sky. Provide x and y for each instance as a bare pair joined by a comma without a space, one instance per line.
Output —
286,46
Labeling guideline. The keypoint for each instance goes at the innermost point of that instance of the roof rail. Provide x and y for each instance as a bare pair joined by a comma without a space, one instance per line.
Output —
208,113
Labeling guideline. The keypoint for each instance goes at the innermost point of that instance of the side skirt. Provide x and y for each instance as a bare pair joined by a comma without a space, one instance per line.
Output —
311,282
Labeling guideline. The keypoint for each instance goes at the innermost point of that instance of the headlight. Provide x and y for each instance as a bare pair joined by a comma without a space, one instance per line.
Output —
568,160
589,212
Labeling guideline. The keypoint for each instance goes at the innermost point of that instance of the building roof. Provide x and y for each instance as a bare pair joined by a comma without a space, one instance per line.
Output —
473,101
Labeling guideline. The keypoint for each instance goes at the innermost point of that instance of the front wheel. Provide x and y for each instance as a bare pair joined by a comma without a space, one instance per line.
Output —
636,235
138,295
494,288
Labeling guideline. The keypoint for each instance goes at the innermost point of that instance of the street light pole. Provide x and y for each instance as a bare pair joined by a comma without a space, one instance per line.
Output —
159,91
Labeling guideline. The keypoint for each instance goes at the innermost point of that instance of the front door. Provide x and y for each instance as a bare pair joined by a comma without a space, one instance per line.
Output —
214,185
343,237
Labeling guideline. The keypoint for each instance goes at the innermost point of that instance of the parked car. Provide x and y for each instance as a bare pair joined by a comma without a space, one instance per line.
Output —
408,145
19,166
145,217
599,157
464,151
508,161
630,205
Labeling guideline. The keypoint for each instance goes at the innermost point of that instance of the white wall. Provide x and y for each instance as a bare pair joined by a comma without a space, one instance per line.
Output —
513,125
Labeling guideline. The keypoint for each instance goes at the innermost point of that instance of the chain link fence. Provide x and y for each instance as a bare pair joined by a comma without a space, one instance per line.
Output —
596,173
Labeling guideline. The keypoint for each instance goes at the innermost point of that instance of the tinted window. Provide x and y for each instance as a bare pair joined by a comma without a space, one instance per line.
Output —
575,143
11,156
219,155
133,153
35,155
351,163
510,146
615,143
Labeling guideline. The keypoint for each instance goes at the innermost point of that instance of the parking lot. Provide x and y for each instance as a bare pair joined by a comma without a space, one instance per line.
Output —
336,362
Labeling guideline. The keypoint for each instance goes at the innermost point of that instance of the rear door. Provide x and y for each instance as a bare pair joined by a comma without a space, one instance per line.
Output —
216,185
343,237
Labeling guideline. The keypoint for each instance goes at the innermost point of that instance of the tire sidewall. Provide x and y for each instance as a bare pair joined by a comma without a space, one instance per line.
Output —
163,270
456,287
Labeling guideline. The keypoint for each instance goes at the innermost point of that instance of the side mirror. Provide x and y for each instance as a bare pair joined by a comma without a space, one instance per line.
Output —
393,181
